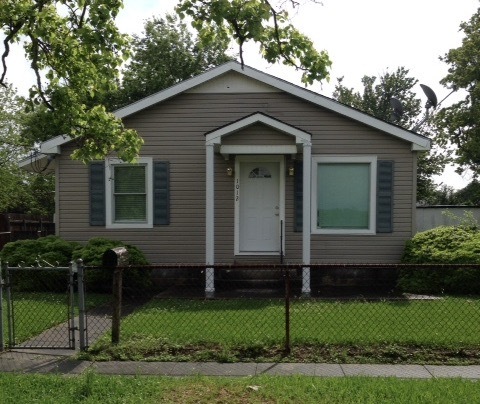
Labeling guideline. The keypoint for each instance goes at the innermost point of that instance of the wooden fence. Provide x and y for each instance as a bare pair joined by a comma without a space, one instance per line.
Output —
17,226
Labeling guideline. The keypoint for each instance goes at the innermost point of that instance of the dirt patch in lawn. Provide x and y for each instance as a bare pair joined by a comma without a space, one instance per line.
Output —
385,354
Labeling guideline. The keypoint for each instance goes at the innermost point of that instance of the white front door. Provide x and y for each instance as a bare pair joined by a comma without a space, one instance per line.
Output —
259,206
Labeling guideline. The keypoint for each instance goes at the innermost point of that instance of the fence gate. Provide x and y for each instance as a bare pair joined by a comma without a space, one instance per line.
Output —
39,307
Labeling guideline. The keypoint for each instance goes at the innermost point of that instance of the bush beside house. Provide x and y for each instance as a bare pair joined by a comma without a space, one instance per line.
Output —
442,246
101,280
43,251
54,251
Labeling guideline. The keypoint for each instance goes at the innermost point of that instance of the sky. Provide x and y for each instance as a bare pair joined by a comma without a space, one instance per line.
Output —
362,37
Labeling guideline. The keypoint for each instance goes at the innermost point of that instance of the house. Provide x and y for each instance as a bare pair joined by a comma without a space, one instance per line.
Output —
242,166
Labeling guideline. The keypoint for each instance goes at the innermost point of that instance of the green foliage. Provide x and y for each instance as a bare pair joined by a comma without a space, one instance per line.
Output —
100,279
257,21
469,195
19,191
375,100
75,51
92,252
164,55
42,252
376,96
460,120
51,249
54,251
442,246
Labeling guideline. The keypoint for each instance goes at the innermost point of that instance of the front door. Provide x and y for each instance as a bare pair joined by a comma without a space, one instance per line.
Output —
259,207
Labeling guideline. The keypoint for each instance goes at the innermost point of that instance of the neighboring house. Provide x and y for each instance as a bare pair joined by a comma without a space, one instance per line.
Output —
241,166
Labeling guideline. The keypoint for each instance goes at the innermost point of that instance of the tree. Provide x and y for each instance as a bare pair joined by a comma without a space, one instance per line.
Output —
75,50
164,55
460,121
469,195
258,21
375,100
19,190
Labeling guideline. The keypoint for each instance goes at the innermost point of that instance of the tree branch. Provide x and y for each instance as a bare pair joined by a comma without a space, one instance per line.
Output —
36,69
6,42
277,36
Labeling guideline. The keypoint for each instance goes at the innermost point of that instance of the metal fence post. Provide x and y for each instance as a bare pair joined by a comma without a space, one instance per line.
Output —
8,290
287,310
81,305
1,308
71,291
117,304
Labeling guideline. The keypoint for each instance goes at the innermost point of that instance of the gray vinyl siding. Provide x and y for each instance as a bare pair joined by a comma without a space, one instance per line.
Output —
258,135
174,131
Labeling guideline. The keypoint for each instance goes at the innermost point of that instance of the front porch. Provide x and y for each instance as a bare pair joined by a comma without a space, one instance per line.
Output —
259,189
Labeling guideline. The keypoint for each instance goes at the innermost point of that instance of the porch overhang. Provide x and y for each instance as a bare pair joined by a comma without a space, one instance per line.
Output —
213,143
215,137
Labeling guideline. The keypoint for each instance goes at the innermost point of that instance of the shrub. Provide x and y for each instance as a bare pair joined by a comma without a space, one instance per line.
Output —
100,279
44,252
442,246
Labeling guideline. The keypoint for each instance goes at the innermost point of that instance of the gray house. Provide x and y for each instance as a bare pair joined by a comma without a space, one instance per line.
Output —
240,166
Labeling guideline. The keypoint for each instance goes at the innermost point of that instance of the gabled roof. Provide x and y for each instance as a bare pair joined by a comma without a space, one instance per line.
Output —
418,141
214,137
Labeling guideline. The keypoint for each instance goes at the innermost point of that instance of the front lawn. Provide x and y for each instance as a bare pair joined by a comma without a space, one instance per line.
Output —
252,329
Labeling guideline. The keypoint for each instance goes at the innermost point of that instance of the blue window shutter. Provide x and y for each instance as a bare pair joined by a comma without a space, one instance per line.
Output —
298,196
97,194
161,193
385,171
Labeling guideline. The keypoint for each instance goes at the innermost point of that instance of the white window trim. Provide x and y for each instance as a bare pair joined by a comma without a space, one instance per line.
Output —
110,224
372,160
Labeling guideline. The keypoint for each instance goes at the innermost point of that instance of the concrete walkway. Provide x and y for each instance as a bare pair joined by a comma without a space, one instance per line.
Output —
60,362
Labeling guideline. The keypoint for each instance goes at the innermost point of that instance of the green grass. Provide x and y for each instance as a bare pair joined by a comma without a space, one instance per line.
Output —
93,388
450,321
434,331
446,322
35,312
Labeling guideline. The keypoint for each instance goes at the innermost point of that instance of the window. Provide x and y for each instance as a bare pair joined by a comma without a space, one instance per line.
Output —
260,172
129,193
343,194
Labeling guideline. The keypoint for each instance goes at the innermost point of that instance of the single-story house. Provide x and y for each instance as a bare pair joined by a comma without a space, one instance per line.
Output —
241,166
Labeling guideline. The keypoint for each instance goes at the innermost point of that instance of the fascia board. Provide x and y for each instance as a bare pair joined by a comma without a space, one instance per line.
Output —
53,145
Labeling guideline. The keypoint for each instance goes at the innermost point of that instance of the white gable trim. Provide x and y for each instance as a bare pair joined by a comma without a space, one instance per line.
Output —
418,142
215,137
52,146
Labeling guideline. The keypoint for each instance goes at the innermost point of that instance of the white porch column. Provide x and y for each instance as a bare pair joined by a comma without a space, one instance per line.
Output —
210,221
307,170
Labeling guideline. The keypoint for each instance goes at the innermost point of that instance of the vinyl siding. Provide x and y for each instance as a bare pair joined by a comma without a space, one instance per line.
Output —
174,131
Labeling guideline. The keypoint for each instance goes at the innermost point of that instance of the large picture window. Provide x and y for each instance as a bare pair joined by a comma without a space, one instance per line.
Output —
129,193
343,195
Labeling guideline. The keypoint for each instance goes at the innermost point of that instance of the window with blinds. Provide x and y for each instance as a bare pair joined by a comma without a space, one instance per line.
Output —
130,194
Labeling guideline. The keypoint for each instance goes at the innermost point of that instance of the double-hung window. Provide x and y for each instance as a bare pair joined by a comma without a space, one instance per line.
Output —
129,193
343,194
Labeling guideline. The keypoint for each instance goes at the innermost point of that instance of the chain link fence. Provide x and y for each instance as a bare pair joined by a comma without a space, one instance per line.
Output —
182,308
269,305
